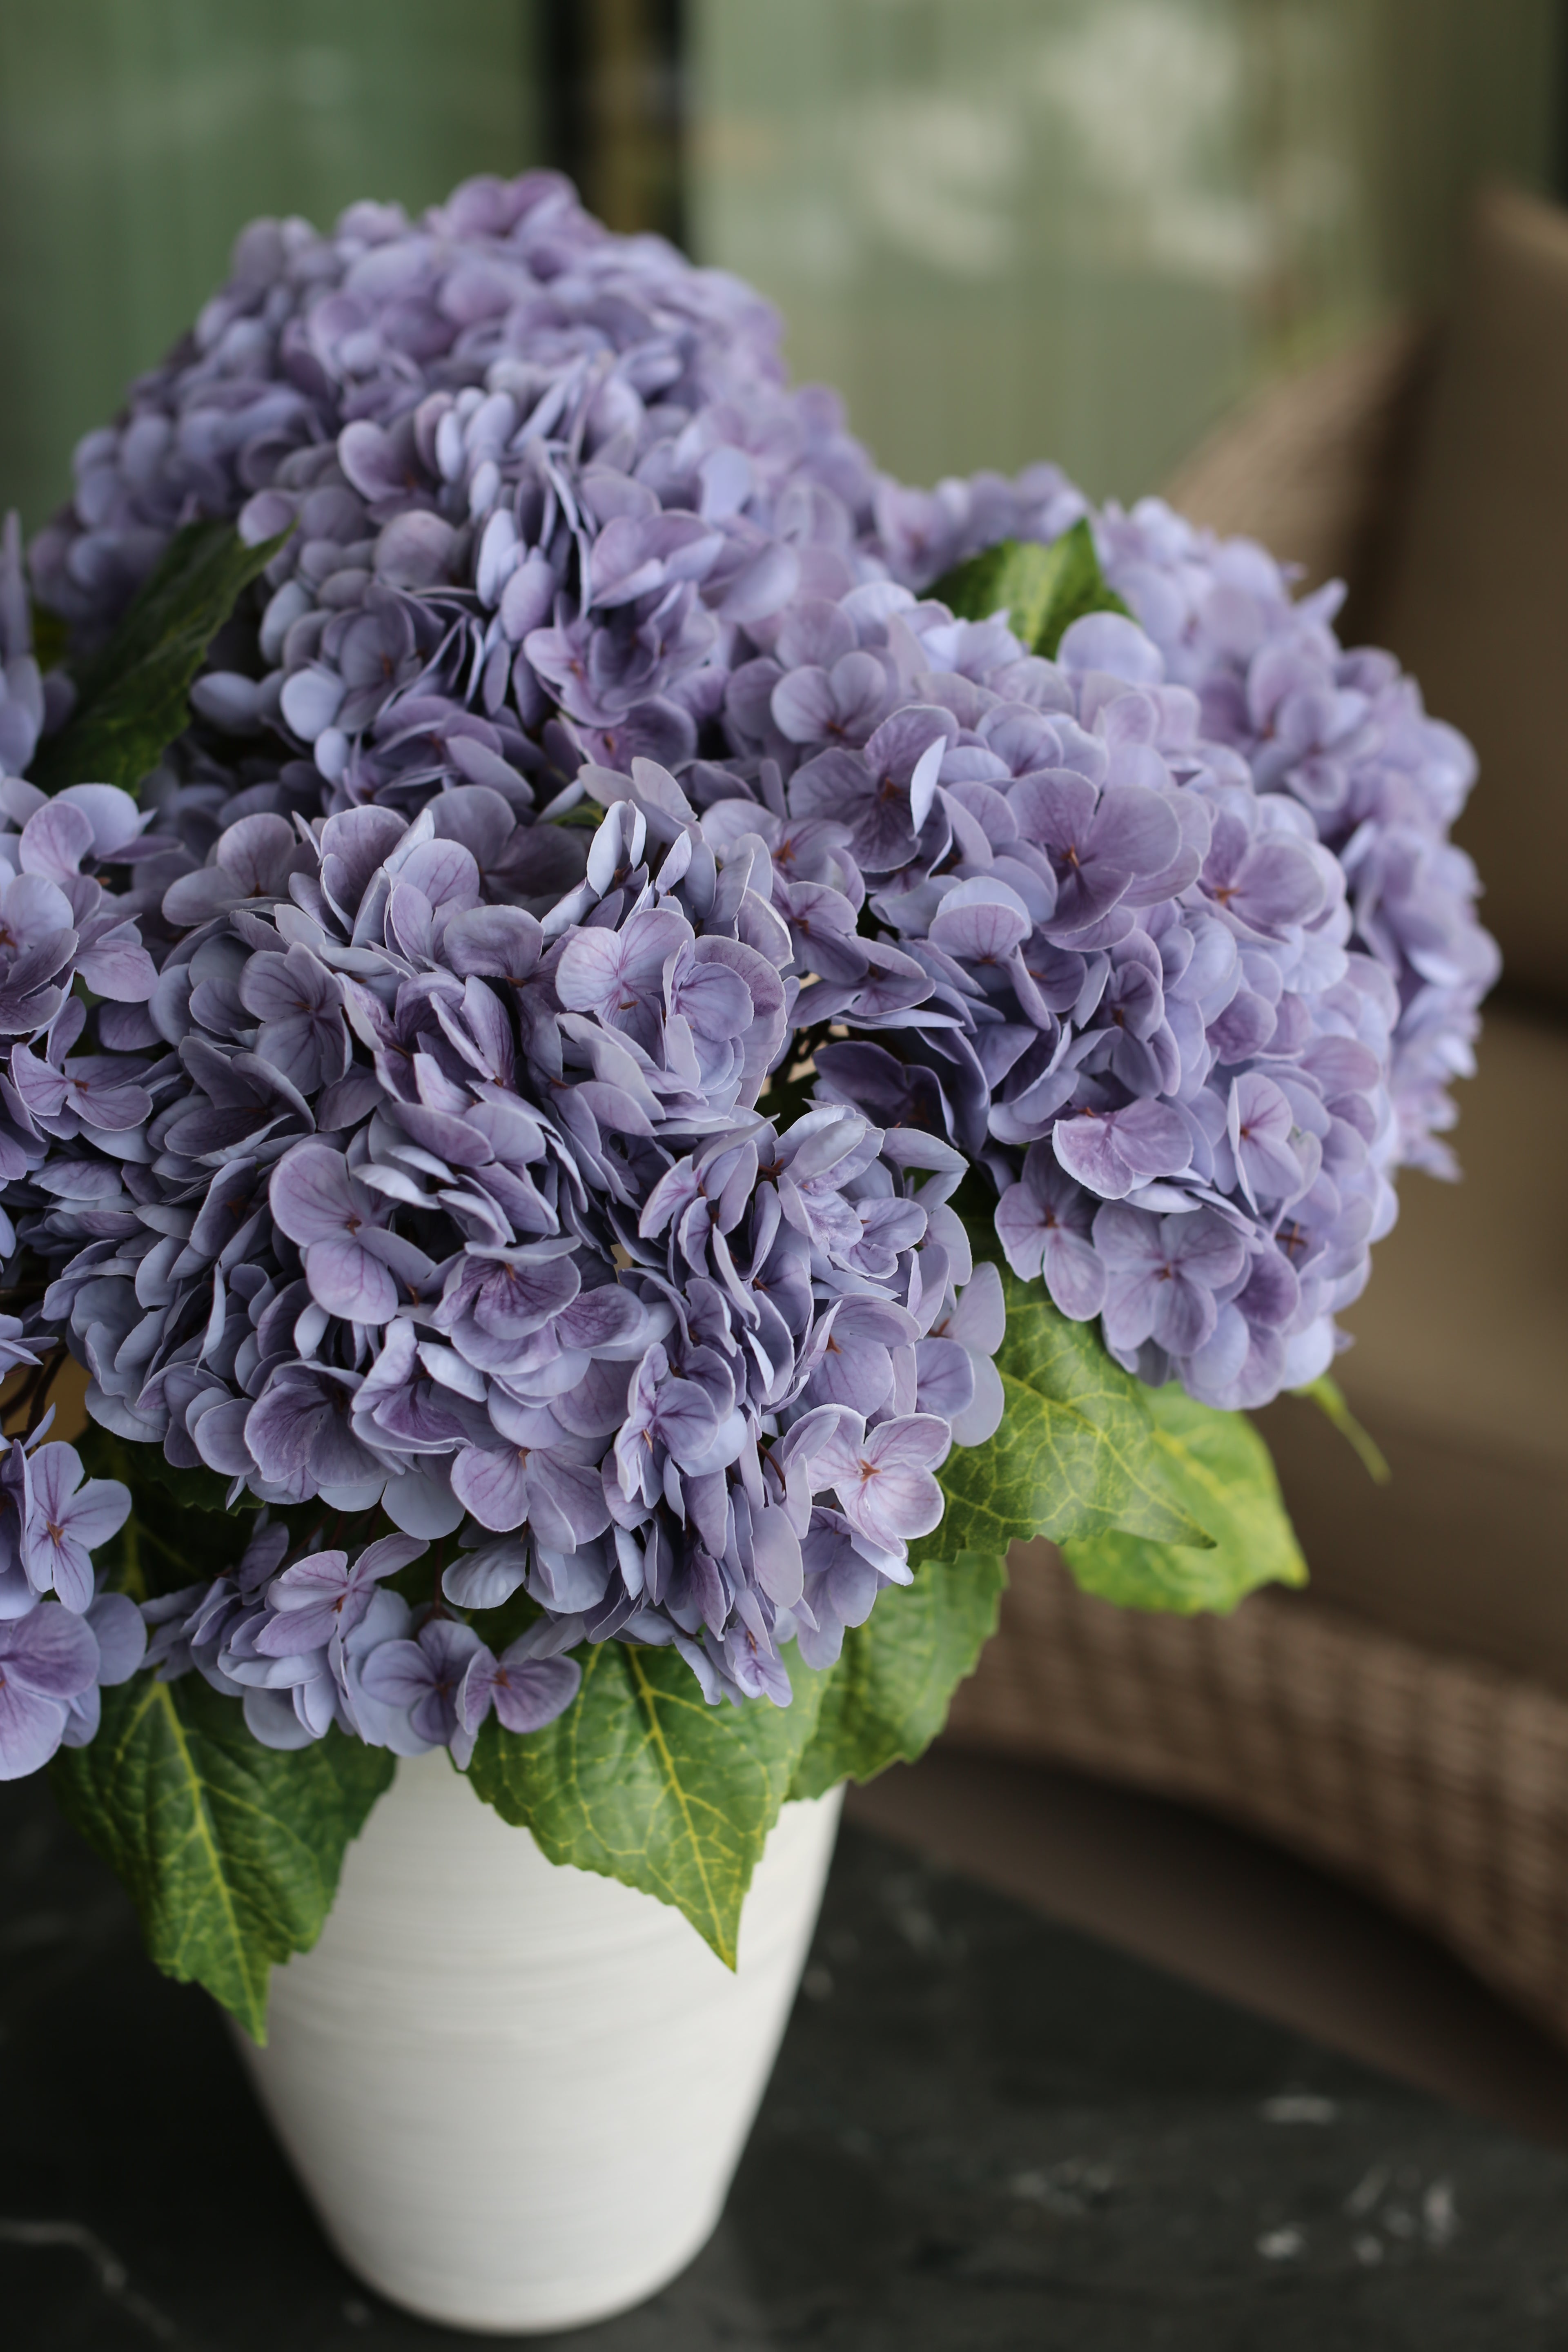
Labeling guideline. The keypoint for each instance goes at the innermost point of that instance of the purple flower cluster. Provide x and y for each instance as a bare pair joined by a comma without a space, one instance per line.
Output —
535,477
1133,990
1341,732
61,1640
435,1206
323,1642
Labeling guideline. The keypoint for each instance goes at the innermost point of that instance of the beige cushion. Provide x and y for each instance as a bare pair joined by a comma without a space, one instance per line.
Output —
1460,1371
1474,592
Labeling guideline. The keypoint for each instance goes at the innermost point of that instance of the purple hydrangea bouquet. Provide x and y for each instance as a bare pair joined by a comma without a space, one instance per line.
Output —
622,1036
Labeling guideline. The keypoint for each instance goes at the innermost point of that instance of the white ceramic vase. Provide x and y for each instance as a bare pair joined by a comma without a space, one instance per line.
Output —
516,2094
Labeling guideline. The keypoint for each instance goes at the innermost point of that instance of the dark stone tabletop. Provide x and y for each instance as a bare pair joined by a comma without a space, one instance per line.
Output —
984,2132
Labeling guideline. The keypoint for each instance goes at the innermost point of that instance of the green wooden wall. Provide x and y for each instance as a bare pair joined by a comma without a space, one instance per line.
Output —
1006,229
137,135
1078,228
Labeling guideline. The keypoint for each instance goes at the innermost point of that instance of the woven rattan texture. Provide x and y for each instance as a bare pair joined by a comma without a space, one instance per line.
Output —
1438,1784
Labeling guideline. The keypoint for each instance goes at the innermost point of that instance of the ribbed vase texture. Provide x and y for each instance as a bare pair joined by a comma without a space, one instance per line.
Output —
516,2094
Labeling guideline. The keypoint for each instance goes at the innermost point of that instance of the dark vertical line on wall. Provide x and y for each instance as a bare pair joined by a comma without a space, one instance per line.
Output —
559,29
668,23
612,75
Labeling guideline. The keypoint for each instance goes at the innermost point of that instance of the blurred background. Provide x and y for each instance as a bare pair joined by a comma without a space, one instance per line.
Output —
1006,229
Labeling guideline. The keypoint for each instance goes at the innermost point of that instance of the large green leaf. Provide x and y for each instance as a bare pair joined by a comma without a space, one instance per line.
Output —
230,1850
1221,1468
132,694
1077,1453
641,1781
1043,589
888,1697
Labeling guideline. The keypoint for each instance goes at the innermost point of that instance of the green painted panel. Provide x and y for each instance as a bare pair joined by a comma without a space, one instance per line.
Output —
1078,229
136,136
1005,228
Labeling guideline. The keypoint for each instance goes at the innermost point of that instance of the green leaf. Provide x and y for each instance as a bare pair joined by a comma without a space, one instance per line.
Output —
51,637
149,1473
1329,1398
1221,1468
641,1781
180,1531
230,1850
1077,1452
1043,589
888,1697
132,695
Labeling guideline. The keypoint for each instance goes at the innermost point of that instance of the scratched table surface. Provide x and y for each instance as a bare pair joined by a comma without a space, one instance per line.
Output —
984,2131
